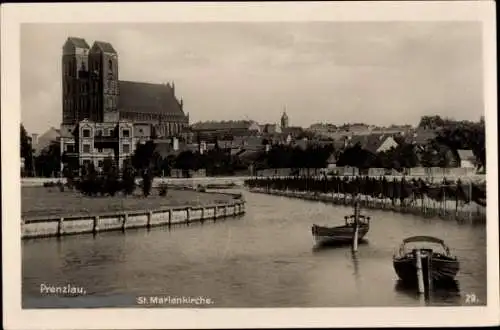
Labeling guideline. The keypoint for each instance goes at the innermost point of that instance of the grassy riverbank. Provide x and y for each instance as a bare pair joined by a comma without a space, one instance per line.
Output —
42,202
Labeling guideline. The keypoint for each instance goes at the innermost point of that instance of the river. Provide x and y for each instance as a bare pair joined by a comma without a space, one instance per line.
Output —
262,259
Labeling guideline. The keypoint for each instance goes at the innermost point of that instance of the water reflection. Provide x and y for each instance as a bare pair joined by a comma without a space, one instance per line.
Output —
335,244
263,259
442,293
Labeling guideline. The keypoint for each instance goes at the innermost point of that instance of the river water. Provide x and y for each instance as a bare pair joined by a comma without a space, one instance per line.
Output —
265,258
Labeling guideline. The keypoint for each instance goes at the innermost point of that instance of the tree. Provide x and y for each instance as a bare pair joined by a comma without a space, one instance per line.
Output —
26,151
143,155
48,163
128,179
465,135
111,176
147,182
402,156
430,122
356,156
186,161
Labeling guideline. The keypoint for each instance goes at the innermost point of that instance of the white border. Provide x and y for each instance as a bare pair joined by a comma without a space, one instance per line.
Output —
14,14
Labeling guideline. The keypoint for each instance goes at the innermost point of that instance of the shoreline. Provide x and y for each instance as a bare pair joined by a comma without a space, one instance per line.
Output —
51,226
429,211
67,222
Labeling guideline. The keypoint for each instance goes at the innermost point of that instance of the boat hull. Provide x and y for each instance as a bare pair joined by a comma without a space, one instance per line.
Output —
442,268
338,235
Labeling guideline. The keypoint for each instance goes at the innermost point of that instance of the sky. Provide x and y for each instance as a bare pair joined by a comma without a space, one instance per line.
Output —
379,73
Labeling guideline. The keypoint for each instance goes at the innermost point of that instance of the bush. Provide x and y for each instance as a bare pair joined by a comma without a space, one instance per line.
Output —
163,189
128,181
147,182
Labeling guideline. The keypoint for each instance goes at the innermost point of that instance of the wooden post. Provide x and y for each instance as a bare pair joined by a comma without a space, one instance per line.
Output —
202,214
60,229
150,217
95,227
444,200
356,225
420,275
124,221
470,199
188,215
234,209
429,273
215,212
170,217
225,210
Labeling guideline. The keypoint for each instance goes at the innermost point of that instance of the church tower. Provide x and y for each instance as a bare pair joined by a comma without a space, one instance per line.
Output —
284,120
75,80
103,68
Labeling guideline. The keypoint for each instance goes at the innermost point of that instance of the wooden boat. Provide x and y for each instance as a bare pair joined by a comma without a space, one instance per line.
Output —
342,234
436,259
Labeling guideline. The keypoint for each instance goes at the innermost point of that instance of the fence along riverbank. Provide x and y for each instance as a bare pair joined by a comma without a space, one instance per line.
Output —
450,200
54,227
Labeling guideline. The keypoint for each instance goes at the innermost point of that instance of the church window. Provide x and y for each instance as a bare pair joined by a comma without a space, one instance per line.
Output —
126,133
86,133
86,148
110,65
126,148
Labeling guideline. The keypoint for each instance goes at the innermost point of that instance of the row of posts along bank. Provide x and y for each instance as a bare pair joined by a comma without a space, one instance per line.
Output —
462,201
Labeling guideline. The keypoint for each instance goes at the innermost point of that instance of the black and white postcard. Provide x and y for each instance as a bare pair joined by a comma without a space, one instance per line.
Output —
249,164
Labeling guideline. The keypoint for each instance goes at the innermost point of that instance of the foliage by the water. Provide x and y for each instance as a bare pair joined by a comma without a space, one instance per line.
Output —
105,183
381,188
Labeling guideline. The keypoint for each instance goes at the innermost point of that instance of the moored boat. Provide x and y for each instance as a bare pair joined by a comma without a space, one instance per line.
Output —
342,234
435,255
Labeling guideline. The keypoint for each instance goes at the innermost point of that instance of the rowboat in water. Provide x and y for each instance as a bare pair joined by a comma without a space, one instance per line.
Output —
342,234
436,259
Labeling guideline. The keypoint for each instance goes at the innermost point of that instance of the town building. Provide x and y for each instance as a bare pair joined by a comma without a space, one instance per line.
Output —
217,130
103,116
43,141
466,158
284,120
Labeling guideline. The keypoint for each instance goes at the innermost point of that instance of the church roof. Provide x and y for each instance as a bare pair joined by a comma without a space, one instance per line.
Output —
222,125
148,98
105,47
78,42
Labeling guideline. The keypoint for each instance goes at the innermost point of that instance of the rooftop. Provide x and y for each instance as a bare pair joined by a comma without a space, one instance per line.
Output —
148,98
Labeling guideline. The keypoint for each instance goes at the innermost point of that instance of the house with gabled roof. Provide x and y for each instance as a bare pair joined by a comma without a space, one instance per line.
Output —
466,158
374,143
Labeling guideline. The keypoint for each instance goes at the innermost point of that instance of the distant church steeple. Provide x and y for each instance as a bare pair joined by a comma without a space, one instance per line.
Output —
284,119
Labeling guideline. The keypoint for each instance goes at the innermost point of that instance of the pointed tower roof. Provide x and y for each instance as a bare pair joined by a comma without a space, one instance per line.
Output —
105,47
74,45
78,42
284,112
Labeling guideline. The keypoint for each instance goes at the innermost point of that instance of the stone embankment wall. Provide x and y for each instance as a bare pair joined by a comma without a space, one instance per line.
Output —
53,227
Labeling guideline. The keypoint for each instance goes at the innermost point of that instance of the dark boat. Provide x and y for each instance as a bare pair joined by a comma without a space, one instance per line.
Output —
435,256
342,234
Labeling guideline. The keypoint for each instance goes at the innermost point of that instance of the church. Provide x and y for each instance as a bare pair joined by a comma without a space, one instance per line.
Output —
96,105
